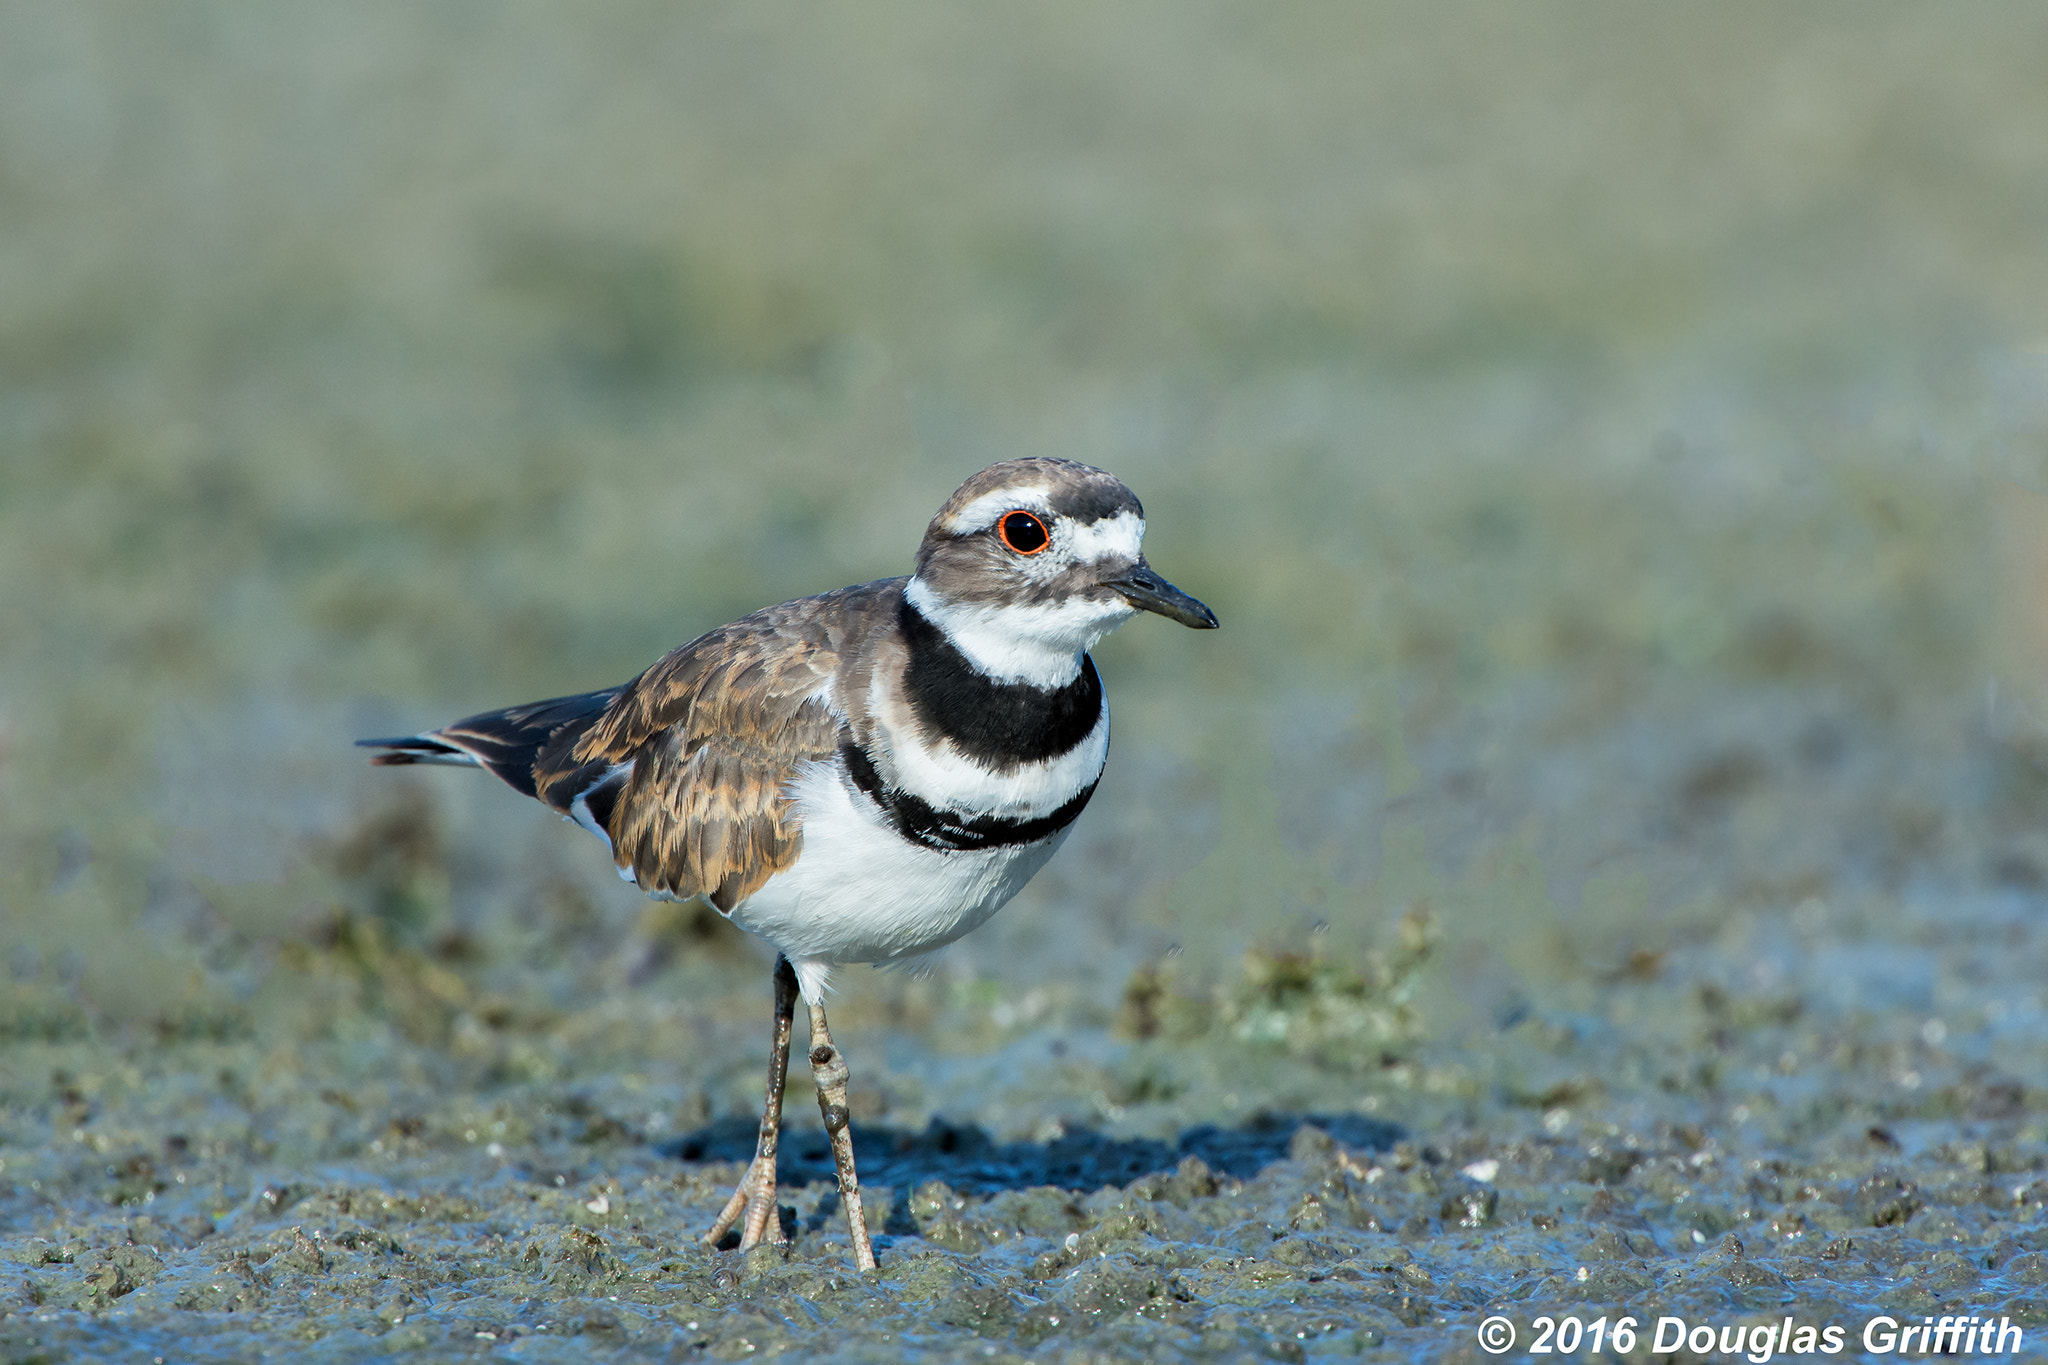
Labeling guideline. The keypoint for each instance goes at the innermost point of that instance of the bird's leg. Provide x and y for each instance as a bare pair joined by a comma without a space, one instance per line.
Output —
756,1193
828,1069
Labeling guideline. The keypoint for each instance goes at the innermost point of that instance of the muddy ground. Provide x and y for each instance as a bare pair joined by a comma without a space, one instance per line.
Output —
1827,1110
1597,872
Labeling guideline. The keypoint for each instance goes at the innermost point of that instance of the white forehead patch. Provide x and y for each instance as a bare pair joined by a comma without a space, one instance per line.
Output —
1116,537
981,514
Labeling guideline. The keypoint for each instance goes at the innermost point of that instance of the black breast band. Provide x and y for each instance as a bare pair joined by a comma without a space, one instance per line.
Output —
923,823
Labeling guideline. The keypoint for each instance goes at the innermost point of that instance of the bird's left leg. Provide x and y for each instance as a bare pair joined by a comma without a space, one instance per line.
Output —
755,1196
828,1069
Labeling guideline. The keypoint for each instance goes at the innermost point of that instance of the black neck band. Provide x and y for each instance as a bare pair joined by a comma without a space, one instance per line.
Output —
993,722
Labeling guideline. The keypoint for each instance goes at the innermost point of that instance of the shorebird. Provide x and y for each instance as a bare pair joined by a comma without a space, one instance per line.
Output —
861,776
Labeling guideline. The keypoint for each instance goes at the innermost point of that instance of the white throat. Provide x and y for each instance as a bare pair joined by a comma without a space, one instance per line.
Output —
1039,645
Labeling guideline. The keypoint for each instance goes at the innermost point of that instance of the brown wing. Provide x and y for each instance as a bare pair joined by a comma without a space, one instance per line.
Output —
714,733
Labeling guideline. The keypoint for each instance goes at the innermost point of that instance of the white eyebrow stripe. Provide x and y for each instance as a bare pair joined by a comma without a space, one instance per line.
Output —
983,511
1117,537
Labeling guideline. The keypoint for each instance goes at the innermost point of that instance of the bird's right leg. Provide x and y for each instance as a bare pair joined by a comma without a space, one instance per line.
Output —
828,1068
755,1196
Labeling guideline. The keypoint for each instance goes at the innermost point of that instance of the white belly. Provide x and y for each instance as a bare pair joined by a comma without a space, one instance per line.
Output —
860,892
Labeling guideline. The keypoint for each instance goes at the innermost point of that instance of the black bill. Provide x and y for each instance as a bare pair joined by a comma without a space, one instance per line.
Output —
1147,591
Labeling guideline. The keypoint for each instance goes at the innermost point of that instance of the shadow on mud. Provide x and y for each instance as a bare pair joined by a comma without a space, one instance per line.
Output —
965,1157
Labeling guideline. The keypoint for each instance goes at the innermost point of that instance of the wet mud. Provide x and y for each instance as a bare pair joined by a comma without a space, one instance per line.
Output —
1798,1155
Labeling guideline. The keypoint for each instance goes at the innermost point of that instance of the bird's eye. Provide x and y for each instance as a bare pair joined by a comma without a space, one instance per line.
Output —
1023,532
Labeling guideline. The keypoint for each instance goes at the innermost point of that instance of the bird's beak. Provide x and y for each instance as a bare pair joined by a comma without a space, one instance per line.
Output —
1147,591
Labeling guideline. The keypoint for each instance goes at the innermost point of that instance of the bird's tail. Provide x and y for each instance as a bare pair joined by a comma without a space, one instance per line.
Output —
505,742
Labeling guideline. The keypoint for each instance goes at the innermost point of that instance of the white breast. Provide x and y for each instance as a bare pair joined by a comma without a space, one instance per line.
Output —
860,892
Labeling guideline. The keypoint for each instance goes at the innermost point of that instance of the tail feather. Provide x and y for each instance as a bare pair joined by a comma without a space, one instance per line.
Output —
505,742
415,749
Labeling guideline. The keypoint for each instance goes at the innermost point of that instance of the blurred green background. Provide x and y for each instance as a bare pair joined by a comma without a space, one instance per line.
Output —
1611,435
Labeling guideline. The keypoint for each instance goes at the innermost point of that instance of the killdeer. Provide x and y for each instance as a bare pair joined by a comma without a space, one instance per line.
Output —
862,776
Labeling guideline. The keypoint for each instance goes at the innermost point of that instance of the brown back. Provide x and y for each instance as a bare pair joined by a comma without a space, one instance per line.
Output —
715,732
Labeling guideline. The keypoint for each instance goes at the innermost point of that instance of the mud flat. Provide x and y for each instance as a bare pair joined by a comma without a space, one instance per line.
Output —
1824,1112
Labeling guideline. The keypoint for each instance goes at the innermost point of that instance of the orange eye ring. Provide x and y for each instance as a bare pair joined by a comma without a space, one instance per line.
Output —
1023,532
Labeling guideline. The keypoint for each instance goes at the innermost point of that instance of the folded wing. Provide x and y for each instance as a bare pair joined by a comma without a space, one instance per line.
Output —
689,767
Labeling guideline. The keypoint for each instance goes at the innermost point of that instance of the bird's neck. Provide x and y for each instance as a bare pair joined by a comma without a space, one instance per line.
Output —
1041,645
989,722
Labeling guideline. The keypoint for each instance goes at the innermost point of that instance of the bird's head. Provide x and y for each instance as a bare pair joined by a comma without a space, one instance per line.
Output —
1033,561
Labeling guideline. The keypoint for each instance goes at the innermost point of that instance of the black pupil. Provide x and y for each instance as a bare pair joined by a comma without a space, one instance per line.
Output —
1024,532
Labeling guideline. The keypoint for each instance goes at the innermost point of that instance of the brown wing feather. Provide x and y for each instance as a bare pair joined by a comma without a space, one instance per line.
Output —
715,731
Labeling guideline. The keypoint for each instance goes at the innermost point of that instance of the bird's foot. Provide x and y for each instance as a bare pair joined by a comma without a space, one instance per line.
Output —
754,1207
